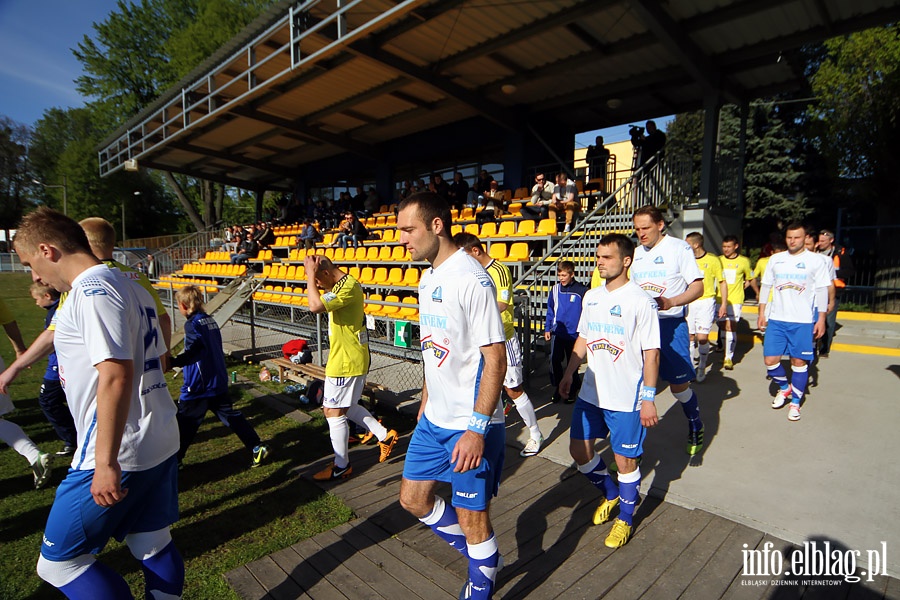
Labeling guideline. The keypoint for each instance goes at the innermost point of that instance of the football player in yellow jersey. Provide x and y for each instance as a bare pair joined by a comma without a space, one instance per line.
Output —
701,312
512,382
348,361
737,274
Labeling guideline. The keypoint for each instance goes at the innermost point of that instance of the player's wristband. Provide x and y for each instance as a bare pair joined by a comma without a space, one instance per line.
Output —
648,394
479,423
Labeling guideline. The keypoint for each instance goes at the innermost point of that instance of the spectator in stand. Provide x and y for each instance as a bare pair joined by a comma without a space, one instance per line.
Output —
483,184
541,195
265,236
494,204
308,236
407,189
247,250
565,198
373,203
844,270
440,187
352,230
458,191
651,143
151,266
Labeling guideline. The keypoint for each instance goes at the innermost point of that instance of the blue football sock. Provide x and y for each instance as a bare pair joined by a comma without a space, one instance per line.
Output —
164,572
443,521
691,408
776,372
99,581
799,379
483,560
629,486
595,471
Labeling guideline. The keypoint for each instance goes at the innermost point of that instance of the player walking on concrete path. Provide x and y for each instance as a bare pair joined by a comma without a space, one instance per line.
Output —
619,335
348,362
665,268
123,481
701,313
799,281
460,435
737,274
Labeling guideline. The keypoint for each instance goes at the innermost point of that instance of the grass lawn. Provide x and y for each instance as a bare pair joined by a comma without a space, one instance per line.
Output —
230,514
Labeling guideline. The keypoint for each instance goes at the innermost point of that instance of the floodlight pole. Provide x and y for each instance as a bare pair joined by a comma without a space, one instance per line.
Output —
65,189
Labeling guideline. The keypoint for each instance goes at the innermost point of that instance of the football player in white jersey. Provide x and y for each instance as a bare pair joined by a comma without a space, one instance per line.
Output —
799,282
460,435
664,267
619,335
123,480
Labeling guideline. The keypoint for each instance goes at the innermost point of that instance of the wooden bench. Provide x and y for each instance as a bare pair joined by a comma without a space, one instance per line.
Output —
288,370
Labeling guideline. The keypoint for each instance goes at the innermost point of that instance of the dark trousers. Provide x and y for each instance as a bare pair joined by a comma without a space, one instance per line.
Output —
561,350
830,327
52,401
191,413
535,212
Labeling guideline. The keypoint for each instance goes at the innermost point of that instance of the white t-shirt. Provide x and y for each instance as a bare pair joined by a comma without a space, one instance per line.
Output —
109,317
457,315
666,270
794,279
617,327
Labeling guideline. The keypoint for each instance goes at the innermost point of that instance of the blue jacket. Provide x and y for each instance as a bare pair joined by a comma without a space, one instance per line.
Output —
564,309
203,360
52,372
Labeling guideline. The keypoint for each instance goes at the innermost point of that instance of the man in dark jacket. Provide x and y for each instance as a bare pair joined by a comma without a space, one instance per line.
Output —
843,270
561,329
206,378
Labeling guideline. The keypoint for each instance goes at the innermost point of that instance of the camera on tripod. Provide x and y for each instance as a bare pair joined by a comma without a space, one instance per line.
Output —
636,133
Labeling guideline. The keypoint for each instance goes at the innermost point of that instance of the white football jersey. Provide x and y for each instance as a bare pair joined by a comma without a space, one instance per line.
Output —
794,279
457,315
666,270
109,317
617,327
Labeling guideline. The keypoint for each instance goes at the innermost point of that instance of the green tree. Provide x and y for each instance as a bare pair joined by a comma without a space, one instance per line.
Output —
14,179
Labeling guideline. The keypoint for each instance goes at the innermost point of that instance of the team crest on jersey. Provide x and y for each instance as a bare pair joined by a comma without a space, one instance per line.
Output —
436,295
658,260
604,345
801,265
616,311
440,352
790,286
653,288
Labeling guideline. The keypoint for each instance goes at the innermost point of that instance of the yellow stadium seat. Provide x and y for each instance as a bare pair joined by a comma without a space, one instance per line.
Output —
467,213
373,308
411,277
454,229
389,236
395,276
366,275
354,273
472,228
328,238
384,253
380,222
301,273
381,276
398,254
525,228
507,229
339,255
454,214
329,252
281,273
390,311
547,227
372,254
518,251
390,220
408,312
266,270
369,222
497,251
488,230
291,273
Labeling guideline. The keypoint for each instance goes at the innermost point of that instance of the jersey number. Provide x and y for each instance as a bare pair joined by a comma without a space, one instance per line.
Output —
151,338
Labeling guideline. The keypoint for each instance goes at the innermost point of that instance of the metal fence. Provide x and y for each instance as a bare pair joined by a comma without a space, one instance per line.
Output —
875,286
9,263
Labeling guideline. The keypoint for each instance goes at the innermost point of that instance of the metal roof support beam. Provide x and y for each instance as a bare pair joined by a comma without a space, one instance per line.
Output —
238,183
712,104
352,101
348,144
262,165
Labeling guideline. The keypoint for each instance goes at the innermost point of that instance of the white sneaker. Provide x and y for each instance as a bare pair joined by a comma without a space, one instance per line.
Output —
567,228
781,398
794,412
532,447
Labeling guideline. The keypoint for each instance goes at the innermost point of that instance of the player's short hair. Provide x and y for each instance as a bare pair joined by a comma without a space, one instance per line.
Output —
467,241
731,238
622,242
99,232
565,265
794,226
779,246
191,297
827,233
48,226
324,264
696,236
39,288
651,211
429,206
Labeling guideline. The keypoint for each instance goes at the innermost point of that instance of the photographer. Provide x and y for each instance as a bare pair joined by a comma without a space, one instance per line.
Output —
649,144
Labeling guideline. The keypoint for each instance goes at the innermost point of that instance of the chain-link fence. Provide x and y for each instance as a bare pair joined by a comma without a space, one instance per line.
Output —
9,263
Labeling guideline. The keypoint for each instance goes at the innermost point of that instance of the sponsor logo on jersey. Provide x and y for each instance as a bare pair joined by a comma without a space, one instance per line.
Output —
600,327
95,292
155,386
790,286
440,352
616,311
629,446
437,321
436,295
467,494
604,345
652,288
658,260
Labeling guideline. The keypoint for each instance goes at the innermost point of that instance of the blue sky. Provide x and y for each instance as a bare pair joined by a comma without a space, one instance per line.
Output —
36,37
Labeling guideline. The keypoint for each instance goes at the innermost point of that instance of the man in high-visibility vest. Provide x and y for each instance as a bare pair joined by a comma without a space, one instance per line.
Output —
844,270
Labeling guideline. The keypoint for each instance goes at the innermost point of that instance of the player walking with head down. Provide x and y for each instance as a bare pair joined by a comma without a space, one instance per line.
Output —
619,334
460,435
665,268
123,480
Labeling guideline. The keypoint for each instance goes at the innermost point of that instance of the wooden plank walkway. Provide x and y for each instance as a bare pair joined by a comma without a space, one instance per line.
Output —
550,549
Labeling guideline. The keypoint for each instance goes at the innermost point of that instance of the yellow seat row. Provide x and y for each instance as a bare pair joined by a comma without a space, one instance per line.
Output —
180,282
508,229
408,313
277,294
214,255
368,254
215,270
395,276
382,221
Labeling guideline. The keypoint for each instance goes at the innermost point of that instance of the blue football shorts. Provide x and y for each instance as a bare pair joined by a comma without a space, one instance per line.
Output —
675,364
624,429
793,339
428,459
77,525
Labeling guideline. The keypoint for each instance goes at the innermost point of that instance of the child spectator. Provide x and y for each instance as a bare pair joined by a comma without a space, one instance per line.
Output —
561,329
206,379
52,398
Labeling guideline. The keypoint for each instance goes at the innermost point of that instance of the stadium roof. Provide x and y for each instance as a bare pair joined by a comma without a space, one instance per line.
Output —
310,81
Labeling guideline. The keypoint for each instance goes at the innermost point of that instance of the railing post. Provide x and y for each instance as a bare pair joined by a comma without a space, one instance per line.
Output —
252,326
319,338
